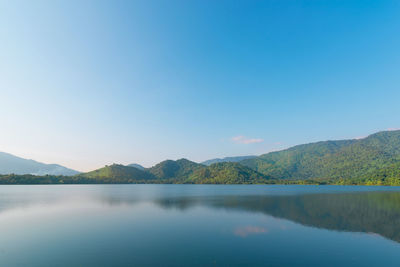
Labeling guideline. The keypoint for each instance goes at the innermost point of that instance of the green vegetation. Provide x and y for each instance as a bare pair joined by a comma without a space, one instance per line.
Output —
317,181
374,160
114,174
31,179
175,171
365,161
118,174
180,171
227,173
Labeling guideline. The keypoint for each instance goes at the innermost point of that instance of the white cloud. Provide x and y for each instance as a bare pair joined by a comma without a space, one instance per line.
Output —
244,140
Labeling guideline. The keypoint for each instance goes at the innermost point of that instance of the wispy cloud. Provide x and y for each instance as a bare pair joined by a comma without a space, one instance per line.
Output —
244,140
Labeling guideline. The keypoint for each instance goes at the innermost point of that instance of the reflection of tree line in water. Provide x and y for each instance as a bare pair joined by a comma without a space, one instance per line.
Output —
377,212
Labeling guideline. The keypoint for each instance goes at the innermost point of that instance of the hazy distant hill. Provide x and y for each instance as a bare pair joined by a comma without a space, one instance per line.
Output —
13,164
374,156
226,159
135,165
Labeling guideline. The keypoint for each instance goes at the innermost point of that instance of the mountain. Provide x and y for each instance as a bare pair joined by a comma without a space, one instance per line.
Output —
137,166
227,173
187,172
226,159
13,164
117,174
170,171
374,160
178,170
376,156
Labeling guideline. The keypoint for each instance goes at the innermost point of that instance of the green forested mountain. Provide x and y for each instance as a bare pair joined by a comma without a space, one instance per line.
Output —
371,160
178,170
119,174
227,173
377,155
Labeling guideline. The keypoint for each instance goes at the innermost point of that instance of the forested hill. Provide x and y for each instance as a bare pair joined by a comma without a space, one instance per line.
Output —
227,173
186,171
377,155
118,174
178,170
371,160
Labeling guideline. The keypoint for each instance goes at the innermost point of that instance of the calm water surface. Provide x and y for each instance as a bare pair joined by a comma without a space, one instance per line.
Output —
199,225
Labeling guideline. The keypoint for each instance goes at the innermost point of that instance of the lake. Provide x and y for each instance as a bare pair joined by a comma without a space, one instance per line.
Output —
199,225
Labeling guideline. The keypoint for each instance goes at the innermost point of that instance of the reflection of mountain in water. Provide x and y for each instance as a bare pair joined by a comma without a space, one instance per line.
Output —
377,212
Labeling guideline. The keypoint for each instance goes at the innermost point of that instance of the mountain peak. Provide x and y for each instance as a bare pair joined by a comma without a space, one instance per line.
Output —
180,169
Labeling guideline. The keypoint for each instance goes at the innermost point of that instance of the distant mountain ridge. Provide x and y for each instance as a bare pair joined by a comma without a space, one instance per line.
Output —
374,160
176,171
226,159
137,166
16,165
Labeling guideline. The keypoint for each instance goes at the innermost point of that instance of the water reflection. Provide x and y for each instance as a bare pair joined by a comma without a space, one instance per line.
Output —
160,225
374,212
359,211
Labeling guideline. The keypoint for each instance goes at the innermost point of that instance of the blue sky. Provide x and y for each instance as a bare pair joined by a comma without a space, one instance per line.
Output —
89,83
